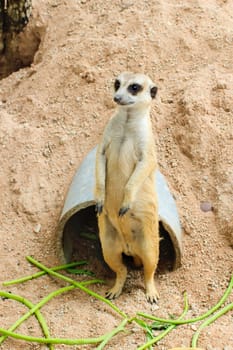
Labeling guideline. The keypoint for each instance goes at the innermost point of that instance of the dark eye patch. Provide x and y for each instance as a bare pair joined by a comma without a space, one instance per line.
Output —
135,88
117,84
153,91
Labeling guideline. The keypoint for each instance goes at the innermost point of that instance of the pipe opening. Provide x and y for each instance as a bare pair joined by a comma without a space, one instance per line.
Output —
80,241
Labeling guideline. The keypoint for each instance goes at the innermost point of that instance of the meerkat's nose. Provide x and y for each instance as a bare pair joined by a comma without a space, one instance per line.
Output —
117,99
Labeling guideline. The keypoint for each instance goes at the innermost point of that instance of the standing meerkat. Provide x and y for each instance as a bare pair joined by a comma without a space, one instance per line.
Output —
126,200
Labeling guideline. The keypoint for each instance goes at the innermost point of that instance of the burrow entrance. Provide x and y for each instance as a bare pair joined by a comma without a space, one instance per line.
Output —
20,36
80,241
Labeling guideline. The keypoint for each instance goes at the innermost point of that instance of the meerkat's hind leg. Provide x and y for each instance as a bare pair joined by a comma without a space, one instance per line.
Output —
112,252
121,273
152,294
150,264
150,257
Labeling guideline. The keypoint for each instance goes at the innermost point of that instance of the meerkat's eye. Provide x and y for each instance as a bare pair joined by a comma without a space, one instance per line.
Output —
134,88
153,91
117,84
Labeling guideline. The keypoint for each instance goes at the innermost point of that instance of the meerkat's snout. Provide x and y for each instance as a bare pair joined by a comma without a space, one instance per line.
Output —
117,99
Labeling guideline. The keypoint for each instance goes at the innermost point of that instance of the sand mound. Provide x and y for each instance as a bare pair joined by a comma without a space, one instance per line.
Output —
53,112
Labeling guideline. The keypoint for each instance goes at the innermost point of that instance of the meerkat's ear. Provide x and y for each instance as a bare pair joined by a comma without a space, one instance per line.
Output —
153,91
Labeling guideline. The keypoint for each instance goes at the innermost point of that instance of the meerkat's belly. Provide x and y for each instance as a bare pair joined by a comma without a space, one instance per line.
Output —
130,229
121,160
121,157
129,233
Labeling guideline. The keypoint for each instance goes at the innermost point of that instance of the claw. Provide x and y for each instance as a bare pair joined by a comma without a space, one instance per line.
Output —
123,211
109,295
152,300
152,297
113,293
99,208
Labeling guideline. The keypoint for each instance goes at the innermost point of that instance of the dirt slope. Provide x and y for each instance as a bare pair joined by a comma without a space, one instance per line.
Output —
53,113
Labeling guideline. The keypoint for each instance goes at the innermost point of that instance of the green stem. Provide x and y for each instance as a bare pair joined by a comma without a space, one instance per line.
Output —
76,284
34,309
209,321
110,335
195,319
31,306
86,283
52,340
168,330
64,340
41,273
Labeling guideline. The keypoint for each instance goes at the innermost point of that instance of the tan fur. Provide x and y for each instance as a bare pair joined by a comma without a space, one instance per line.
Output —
125,194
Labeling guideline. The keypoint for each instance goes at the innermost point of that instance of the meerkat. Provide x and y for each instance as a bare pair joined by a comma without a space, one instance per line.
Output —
126,200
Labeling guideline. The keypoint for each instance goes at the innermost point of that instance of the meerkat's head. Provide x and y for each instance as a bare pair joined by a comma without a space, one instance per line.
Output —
134,90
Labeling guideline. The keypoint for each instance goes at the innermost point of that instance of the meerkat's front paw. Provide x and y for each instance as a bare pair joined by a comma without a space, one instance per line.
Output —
127,202
99,207
123,210
99,199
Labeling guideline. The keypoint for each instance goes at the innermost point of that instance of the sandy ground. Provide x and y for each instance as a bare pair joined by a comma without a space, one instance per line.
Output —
54,112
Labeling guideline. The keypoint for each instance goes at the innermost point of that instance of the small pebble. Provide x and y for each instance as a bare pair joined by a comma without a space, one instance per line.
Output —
206,206
154,307
37,228
194,328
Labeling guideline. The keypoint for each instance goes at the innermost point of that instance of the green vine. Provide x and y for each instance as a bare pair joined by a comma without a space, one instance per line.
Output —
76,284
41,273
195,319
33,309
166,325
155,340
209,321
